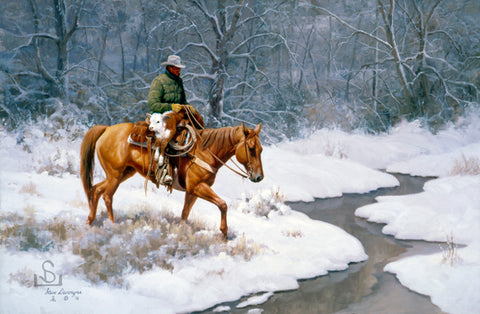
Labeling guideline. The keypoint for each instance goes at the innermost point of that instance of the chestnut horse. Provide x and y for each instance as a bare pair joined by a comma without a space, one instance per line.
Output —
121,160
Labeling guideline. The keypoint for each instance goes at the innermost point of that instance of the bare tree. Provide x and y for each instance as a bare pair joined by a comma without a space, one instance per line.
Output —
407,40
227,35
57,76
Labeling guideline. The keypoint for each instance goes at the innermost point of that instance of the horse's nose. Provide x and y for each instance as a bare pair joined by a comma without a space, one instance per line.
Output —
258,178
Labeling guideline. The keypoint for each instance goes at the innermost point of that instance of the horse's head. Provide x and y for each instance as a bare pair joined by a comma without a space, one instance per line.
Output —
248,153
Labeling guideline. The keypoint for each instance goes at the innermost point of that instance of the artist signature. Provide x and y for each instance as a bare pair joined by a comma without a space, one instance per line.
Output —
63,294
49,280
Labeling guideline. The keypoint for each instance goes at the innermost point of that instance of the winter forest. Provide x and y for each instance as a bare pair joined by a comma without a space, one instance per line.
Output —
292,65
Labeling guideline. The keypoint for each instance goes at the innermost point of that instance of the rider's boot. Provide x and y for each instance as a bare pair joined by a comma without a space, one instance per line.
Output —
166,179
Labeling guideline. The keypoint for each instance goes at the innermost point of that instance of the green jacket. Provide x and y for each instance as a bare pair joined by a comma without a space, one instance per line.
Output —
166,89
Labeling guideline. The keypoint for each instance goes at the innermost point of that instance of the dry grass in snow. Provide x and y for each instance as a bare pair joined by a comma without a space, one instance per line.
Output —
141,240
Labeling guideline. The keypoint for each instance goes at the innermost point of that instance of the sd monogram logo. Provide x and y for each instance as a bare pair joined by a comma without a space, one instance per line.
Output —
48,278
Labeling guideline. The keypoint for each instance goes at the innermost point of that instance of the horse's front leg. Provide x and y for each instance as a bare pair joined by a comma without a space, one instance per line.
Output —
205,192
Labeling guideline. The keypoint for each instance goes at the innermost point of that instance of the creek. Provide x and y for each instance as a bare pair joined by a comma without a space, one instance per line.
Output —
363,287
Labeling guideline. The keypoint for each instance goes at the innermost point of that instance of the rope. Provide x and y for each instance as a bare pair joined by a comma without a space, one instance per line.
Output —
183,149
150,162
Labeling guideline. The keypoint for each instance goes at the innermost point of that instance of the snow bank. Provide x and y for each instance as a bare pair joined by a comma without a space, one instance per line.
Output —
454,288
449,208
437,165
303,177
392,151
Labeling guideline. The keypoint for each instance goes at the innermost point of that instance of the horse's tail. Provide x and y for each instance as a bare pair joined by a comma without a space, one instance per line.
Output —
87,157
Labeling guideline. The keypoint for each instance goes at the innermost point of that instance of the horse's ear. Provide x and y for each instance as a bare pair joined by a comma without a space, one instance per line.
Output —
258,128
246,131
148,118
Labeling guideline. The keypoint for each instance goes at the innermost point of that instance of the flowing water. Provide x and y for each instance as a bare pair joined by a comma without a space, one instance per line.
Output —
363,287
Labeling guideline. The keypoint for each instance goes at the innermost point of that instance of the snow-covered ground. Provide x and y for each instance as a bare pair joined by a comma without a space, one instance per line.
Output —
447,211
272,246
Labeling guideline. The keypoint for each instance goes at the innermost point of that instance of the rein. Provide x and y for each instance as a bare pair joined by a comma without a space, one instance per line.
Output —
242,173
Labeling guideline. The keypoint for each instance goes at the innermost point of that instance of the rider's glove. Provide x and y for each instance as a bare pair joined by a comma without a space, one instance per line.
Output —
176,107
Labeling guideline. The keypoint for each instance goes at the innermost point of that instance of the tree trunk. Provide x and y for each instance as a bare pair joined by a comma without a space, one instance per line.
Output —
122,52
62,45
390,33
329,46
224,34
102,54
218,84
375,70
352,64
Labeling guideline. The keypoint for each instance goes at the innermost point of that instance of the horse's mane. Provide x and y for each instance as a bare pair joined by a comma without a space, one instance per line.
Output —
217,138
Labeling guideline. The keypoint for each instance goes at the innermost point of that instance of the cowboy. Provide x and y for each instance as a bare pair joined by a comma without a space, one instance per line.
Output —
168,94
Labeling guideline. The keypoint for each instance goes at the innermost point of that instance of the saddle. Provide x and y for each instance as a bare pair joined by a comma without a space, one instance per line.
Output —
142,136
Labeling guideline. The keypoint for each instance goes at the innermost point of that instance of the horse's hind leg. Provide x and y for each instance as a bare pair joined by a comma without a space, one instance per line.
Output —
108,196
106,188
97,191
112,187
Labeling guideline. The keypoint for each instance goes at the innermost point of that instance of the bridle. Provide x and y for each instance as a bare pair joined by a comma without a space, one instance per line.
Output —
244,174
249,164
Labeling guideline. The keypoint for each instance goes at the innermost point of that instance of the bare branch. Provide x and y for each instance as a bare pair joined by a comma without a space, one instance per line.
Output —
353,28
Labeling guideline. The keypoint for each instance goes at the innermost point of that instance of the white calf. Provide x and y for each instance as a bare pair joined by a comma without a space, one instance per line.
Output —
157,124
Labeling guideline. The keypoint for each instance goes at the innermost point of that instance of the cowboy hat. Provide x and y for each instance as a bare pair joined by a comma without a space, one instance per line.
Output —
173,60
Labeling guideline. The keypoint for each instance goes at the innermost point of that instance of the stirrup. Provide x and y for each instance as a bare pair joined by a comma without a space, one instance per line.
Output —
165,178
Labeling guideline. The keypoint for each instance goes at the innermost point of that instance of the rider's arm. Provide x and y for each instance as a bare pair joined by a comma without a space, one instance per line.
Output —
155,96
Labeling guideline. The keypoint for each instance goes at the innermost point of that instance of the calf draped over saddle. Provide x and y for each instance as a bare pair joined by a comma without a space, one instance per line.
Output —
175,137
143,137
